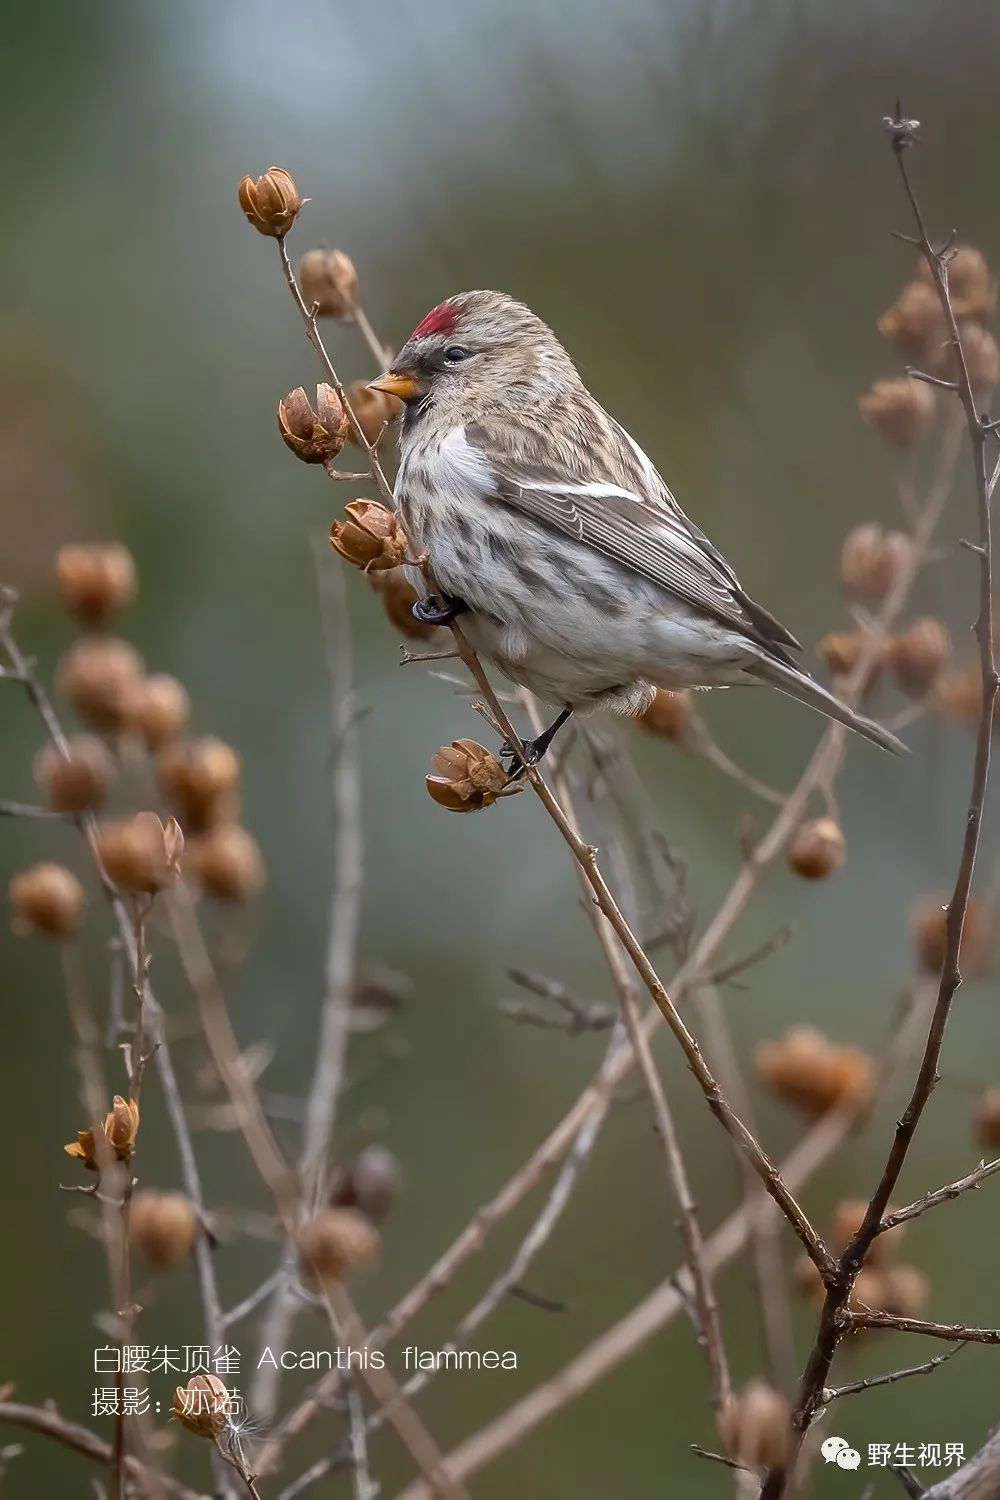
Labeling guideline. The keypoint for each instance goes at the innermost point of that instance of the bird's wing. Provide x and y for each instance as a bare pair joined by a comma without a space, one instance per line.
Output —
633,519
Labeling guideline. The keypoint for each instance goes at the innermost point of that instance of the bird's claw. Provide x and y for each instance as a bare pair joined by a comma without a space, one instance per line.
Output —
515,763
438,609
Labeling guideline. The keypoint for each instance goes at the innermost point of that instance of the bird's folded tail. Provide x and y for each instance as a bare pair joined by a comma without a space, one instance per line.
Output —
798,685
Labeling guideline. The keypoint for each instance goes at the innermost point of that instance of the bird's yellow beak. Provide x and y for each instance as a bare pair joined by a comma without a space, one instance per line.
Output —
400,383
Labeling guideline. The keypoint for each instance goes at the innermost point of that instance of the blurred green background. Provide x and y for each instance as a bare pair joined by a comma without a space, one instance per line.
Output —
699,198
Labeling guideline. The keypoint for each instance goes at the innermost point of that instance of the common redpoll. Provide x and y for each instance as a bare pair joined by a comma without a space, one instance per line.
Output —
548,528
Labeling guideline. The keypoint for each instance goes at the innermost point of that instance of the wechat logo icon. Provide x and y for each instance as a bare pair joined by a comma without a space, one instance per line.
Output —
837,1450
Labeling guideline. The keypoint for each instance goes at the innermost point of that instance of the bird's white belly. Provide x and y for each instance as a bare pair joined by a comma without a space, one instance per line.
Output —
553,614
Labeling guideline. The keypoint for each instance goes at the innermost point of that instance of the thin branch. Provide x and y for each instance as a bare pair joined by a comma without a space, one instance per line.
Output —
856,1386
940,1195
834,1320
82,1440
634,1330
953,1332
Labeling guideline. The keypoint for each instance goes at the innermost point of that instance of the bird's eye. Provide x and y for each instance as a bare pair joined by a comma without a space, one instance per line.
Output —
454,354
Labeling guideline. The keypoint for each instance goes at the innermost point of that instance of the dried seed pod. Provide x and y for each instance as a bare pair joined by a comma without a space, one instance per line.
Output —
141,853
668,713
919,654
272,202
816,849
959,695
371,537
96,581
372,410
915,323
986,1119
227,863
756,1427
841,650
202,777
808,1281
98,676
46,899
315,435
809,1071
905,1291
77,782
329,283
117,1136
982,360
929,924
158,709
848,1217
900,410
334,1243
468,777
871,562
398,598
972,289
203,1406
870,1290
163,1226
369,1182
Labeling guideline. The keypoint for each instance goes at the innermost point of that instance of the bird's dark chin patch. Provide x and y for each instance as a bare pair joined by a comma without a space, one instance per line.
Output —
414,410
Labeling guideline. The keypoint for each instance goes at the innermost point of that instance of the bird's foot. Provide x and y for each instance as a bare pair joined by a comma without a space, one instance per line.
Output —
516,764
532,751
438,609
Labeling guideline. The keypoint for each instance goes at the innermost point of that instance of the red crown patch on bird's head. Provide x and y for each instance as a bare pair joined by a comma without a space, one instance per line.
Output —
440,319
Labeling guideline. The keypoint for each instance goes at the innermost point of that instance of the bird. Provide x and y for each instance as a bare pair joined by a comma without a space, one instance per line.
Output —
544,525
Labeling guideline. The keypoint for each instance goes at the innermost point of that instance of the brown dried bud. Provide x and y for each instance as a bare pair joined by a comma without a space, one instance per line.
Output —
158,709
816,849
203,1406
841,650
848,1217
46,898
398,598
982,360
329,283
314,435
227,862
870,1290
900,410
871,561
756,1427
972,289
809,1071
986,1119
469,777
668,713
915,323
163,1226
272,203
959,695
919,654
116,1136
336,1241
141,853
371,537
369,1183
96,581
808,1281
372,410
929,924
98,677
905,1290
201,777
77,782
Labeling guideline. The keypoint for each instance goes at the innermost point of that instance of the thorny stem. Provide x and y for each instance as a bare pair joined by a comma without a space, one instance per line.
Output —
835,1320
